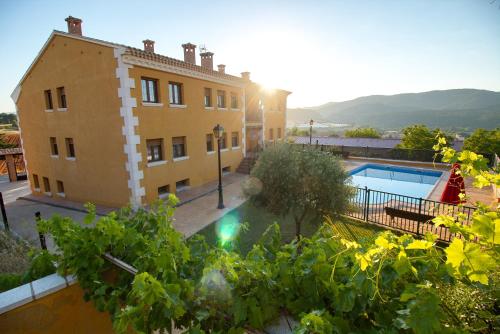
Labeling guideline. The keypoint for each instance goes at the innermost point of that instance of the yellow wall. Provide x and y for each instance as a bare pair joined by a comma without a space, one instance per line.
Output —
194,122
274,114
87,72
63,311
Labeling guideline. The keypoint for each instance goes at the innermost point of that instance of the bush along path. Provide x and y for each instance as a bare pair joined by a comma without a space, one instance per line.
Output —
394,284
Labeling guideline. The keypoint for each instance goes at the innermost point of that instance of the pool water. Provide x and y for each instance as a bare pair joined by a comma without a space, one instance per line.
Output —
406,181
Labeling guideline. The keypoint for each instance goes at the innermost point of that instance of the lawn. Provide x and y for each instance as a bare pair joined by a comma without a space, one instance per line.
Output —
258,220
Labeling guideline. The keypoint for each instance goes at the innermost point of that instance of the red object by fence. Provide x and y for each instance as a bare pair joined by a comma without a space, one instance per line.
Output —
454,187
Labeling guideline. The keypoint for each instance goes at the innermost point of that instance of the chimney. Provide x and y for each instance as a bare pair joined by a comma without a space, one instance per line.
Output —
245,76
207,60
149,45
74,25
189,53
222,68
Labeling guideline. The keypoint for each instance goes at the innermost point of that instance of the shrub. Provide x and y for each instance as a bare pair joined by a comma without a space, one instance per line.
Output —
305,183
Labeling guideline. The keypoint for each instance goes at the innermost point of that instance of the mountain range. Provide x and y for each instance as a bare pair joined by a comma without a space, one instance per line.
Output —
447,109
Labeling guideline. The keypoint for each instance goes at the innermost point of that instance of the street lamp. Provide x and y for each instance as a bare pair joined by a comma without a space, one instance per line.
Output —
311,122
218,131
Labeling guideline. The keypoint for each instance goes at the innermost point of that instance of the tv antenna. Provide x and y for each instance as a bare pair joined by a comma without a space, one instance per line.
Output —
203,48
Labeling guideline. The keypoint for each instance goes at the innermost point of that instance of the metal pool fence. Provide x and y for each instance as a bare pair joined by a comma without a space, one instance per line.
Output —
405,213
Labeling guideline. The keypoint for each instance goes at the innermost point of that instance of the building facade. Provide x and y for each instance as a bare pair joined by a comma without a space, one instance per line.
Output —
113,124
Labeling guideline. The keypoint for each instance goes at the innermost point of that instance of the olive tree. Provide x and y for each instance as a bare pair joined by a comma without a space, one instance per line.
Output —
305,183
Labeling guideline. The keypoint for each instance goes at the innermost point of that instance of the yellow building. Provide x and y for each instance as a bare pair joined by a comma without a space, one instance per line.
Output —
112,124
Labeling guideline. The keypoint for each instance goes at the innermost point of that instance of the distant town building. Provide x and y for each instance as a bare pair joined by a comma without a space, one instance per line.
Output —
113,124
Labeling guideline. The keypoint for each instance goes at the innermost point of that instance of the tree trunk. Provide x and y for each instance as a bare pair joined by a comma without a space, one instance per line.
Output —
298,224
297,229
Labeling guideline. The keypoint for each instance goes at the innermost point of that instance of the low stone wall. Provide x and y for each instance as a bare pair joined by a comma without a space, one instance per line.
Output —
52,304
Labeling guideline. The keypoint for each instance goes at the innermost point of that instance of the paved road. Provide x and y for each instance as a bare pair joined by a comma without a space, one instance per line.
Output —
189,218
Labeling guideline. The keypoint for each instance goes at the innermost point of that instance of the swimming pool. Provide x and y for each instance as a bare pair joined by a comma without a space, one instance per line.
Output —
414,182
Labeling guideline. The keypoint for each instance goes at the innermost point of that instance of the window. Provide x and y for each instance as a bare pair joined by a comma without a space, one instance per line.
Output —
155,149
149,90
223,141
179,146
279,133
226,170
221,99
210,142
53,146
46,184
36,182
48,100
61,97
234,101
60,187
163,191
235,141
175,92
70,148
271,134
207,99
181,185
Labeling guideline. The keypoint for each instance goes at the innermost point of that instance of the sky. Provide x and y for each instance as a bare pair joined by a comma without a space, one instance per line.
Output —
322,51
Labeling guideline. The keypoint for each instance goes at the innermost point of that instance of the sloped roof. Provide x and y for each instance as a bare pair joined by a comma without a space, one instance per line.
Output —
179,63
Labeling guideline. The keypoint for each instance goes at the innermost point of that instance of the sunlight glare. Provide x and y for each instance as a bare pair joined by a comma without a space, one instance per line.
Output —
228,228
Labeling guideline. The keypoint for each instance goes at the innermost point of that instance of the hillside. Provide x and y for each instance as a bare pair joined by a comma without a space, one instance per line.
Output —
454,108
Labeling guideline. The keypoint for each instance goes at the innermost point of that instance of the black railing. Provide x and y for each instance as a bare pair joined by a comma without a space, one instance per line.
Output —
405,213
385,153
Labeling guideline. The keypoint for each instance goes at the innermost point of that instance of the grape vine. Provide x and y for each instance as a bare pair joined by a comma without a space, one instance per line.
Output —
328,284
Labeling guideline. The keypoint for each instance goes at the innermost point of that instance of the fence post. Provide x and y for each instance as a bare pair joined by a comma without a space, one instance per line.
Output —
317,143
419,213
366,152
367,203
321,147
43,244
4,214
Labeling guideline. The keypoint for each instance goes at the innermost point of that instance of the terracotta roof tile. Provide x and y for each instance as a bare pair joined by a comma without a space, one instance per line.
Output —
179,63
158,58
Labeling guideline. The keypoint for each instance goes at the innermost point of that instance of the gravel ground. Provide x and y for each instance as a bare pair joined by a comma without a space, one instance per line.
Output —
13,254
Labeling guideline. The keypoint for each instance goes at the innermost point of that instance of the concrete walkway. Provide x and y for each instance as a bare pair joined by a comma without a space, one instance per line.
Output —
195,215
196,210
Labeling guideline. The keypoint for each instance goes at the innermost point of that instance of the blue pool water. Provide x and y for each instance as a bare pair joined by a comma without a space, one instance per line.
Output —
407,181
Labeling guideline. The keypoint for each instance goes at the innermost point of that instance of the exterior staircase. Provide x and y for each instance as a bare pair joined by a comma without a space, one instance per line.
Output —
246,165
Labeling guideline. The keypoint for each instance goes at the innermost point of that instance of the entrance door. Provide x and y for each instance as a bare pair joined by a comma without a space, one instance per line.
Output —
253,140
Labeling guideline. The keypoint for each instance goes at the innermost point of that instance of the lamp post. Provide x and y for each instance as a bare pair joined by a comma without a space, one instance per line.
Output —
311,122
218,131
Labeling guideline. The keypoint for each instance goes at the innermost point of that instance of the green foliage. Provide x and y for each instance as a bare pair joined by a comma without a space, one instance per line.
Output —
9,118
483,141
306,183
420,137
10,281
362,133
393,284
298,133
332,285
41,265
471,305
